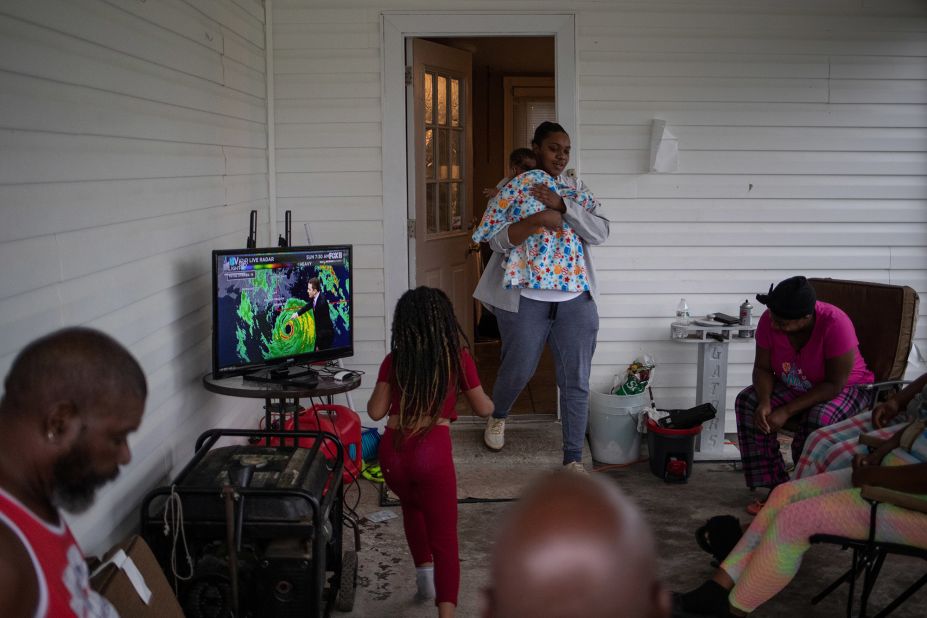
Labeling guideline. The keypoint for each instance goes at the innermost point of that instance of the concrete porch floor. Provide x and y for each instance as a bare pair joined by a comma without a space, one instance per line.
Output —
386,579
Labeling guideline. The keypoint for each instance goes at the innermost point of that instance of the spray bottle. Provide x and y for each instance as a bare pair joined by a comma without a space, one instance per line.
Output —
746,319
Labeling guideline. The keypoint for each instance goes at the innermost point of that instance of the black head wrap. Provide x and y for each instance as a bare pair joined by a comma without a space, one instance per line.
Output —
791,299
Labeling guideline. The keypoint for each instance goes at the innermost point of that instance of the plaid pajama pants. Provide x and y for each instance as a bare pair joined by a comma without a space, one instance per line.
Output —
833,447
759,452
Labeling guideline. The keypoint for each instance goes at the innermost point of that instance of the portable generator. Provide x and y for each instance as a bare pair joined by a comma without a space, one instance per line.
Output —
253,530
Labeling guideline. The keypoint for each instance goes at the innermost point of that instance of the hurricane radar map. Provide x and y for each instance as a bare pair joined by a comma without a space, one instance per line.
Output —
281,305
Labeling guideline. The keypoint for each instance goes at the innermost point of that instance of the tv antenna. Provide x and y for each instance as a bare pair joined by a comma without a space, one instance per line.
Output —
251,243
287,239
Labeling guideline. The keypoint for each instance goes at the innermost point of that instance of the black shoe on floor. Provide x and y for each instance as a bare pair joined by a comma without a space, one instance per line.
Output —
708,600
718,536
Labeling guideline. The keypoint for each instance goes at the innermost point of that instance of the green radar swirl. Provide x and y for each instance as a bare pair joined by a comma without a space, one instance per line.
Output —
292,336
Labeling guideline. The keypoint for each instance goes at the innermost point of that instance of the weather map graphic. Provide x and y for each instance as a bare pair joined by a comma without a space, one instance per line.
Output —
262,308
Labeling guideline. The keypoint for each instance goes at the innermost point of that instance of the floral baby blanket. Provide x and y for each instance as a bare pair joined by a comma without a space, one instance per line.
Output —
546,260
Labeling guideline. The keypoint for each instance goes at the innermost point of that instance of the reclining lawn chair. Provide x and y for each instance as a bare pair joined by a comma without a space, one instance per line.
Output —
884,317
870,554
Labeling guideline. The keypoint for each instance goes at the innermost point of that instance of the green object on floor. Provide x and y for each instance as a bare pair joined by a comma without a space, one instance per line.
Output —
373,473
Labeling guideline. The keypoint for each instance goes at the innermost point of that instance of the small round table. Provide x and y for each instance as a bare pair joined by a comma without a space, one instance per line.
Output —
281,399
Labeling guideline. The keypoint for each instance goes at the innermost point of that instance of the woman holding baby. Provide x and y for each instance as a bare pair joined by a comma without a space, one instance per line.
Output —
540,284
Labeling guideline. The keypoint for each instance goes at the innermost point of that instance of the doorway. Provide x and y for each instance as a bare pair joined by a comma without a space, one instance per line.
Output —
474,99
496,44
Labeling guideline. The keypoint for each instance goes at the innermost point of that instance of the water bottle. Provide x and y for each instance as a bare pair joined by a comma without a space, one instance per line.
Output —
679,328
746,319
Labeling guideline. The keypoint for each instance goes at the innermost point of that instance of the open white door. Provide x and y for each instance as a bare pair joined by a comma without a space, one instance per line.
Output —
440,151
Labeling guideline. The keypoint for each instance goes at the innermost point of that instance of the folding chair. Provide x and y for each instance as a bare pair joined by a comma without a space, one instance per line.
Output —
870,554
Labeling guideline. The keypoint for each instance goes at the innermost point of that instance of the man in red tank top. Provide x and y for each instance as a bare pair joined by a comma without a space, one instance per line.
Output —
70,401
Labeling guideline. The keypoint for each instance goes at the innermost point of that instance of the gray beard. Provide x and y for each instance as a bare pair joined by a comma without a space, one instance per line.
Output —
72,501
75,487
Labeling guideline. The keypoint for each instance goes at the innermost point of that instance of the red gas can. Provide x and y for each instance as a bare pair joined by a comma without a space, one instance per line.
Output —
341,421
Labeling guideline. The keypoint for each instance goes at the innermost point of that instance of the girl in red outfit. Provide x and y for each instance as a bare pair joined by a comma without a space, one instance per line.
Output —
417,387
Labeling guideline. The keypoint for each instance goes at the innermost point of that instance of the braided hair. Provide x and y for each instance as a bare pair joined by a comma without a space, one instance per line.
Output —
426,356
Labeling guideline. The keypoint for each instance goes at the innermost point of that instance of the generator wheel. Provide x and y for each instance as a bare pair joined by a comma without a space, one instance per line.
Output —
347,586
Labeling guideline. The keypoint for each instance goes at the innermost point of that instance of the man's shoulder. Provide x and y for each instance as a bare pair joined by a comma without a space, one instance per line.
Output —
18,585
12,550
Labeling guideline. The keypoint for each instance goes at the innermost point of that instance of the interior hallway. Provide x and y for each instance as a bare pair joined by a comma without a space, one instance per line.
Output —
386,585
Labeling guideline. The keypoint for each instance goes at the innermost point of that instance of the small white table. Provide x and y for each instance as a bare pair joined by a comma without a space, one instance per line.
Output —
713,339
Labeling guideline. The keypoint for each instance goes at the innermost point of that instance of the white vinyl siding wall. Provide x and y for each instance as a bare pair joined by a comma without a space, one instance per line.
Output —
802,150
328,153
802,133
133,142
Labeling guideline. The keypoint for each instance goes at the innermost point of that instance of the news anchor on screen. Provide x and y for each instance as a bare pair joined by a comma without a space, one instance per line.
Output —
324,330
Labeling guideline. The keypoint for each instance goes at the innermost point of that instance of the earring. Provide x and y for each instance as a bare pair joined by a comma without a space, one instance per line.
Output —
51,436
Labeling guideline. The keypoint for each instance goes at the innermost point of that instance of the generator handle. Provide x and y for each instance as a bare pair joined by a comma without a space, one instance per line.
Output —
208,438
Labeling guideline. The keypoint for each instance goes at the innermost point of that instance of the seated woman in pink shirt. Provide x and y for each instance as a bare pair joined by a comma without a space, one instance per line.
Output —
807,366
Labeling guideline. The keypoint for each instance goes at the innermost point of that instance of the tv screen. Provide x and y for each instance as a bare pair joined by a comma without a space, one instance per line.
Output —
288,305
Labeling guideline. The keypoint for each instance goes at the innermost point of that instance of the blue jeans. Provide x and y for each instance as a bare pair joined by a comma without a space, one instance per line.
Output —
570,328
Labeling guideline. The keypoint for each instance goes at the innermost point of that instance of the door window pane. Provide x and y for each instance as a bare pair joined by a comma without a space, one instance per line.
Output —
463,204
444,222
456,155
455,102
444,160
456,205
442,100
430,154
429,97
431,208
443,153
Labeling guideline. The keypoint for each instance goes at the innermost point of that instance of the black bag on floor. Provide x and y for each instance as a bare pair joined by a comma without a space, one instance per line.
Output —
719,535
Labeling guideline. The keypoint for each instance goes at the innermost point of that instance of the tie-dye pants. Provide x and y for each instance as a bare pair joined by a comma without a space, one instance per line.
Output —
770,551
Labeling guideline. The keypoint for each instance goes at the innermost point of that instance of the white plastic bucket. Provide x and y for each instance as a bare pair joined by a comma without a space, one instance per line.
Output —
613,434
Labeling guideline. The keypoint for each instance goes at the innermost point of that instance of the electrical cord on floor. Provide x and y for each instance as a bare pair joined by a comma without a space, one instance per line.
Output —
386,501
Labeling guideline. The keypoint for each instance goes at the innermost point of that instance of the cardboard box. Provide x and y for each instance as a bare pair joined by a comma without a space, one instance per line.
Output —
116,584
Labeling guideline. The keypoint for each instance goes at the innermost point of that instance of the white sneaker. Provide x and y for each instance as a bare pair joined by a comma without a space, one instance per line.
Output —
494,435
575,466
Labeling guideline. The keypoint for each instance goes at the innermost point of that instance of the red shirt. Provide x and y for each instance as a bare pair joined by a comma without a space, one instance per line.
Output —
470,380
59,566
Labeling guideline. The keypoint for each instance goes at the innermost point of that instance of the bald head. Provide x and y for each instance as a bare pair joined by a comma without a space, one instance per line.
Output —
81,365
574,546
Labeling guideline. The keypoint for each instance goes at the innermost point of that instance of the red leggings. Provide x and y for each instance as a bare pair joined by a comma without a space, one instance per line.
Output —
422,474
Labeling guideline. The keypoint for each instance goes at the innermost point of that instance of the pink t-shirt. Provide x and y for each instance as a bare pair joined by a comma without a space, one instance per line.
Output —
833,335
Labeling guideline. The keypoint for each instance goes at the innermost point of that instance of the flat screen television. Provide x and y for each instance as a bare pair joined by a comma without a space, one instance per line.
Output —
277,310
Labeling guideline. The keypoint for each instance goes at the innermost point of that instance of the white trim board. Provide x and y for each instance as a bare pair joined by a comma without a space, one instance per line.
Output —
396,28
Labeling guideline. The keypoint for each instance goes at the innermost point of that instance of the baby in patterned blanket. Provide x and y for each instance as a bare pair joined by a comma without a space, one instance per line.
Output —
546,260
